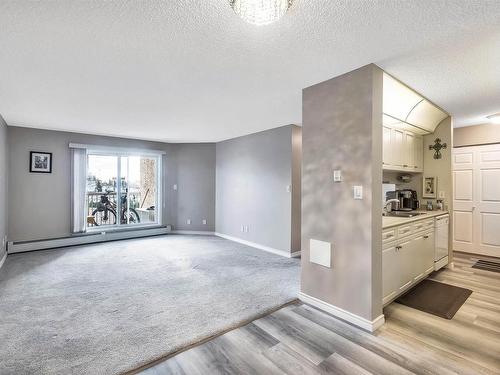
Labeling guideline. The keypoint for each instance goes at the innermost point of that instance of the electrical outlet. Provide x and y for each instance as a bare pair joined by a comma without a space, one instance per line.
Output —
174,187
188,221
204,221
337,175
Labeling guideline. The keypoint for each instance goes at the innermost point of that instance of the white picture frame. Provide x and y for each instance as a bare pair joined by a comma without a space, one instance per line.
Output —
429,187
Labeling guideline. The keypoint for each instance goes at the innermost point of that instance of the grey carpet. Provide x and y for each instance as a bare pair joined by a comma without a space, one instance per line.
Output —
111,307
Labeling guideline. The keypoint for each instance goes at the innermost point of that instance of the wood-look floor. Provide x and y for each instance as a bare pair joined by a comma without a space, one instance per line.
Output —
299,339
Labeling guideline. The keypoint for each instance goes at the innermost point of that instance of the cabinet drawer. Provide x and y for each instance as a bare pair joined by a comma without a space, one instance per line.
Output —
404,231
418,226
388,235
429,223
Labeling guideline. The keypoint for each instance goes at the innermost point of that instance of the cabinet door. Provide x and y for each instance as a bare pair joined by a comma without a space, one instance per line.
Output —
418,257
406,259
397,144
419,153
390,273
387,147
409,150
428,252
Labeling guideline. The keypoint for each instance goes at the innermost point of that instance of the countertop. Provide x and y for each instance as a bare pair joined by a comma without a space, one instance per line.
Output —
391,221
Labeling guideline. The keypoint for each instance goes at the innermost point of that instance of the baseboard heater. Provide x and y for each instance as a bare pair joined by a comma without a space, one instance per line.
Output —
86,238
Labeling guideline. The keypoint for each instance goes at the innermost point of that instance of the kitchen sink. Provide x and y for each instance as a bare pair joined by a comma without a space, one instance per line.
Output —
404,213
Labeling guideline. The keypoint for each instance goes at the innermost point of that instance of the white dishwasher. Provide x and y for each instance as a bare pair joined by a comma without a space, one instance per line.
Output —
441,247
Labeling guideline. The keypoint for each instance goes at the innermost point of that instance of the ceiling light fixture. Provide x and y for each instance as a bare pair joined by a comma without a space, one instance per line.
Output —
494,118
260,12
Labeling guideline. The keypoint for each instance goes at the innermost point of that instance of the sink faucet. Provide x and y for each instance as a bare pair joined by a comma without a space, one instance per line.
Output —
388,204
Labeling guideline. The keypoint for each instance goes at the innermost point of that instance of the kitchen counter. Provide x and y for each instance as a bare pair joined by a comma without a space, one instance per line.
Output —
391,221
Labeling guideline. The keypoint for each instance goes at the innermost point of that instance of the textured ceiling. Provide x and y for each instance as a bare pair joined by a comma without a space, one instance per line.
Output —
191,70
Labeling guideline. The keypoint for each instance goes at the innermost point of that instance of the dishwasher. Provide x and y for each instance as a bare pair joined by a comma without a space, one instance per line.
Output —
441,246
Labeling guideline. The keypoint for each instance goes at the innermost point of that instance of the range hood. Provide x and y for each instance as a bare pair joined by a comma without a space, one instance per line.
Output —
406,109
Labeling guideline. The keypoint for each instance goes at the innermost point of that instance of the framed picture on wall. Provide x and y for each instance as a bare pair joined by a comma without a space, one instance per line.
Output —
429,187
40,162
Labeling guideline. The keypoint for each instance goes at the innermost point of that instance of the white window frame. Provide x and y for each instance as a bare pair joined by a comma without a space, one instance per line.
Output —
118,152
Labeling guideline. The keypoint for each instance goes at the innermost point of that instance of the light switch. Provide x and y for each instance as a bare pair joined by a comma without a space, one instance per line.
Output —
288,188
174,187
358,192
188,221
441,194
337,175
204,221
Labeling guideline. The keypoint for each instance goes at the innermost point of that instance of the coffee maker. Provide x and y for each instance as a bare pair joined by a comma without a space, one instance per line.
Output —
408,200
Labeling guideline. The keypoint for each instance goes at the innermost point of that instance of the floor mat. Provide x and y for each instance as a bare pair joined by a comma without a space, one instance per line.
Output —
435,298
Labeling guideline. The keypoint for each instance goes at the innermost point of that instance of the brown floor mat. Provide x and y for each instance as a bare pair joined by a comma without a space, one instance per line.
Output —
435,298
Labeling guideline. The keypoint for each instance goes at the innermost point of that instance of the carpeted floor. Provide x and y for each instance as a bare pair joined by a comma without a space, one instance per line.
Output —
111,307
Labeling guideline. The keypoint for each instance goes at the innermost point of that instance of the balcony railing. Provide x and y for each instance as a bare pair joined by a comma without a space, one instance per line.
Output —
96,217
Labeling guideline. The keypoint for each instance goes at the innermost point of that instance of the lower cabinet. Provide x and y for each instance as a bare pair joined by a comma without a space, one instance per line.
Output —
406,261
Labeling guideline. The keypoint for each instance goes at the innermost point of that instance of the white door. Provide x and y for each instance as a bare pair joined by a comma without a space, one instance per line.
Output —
476,199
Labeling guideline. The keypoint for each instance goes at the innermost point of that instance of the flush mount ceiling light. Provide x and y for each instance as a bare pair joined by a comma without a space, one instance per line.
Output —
494,118
260,12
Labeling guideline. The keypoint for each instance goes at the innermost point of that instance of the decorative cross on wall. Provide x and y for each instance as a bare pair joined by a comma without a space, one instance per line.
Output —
437,146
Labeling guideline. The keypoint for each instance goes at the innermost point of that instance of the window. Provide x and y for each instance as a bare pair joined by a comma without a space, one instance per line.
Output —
119,188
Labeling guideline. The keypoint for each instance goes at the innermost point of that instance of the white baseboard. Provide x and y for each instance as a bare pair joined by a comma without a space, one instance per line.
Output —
20,247
283,253
2,261
194,232
296,254
357,320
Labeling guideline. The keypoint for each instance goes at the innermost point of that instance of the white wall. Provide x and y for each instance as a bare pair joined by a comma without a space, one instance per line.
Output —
253,173
42,201
3,183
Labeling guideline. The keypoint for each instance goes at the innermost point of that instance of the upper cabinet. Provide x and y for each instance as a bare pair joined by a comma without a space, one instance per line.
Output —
408,109
402,150
407,116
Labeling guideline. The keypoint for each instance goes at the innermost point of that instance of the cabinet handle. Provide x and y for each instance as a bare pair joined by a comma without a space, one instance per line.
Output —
398,247
405,165
426,236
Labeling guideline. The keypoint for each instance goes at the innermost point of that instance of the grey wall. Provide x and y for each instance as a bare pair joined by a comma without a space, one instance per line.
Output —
476,135
42,201
195,177
253,173
342,129
3,183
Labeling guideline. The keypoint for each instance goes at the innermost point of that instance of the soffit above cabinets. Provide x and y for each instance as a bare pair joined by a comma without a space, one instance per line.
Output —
406,109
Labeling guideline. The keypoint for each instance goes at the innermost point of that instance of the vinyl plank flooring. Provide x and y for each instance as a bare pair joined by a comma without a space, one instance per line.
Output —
299,339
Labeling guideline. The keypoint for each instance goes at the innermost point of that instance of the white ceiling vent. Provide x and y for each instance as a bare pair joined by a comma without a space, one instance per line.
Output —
407,109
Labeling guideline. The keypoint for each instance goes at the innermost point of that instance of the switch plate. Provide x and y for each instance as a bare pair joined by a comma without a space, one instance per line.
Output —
288,188
188,221
174,187
337,175
204,221
357,192
441,194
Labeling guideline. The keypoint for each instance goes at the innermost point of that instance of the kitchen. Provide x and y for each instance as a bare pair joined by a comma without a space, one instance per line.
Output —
416,191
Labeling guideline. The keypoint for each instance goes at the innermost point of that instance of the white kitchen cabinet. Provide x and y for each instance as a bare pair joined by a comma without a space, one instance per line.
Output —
407,257
390,279
419,153
402,150
386,147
